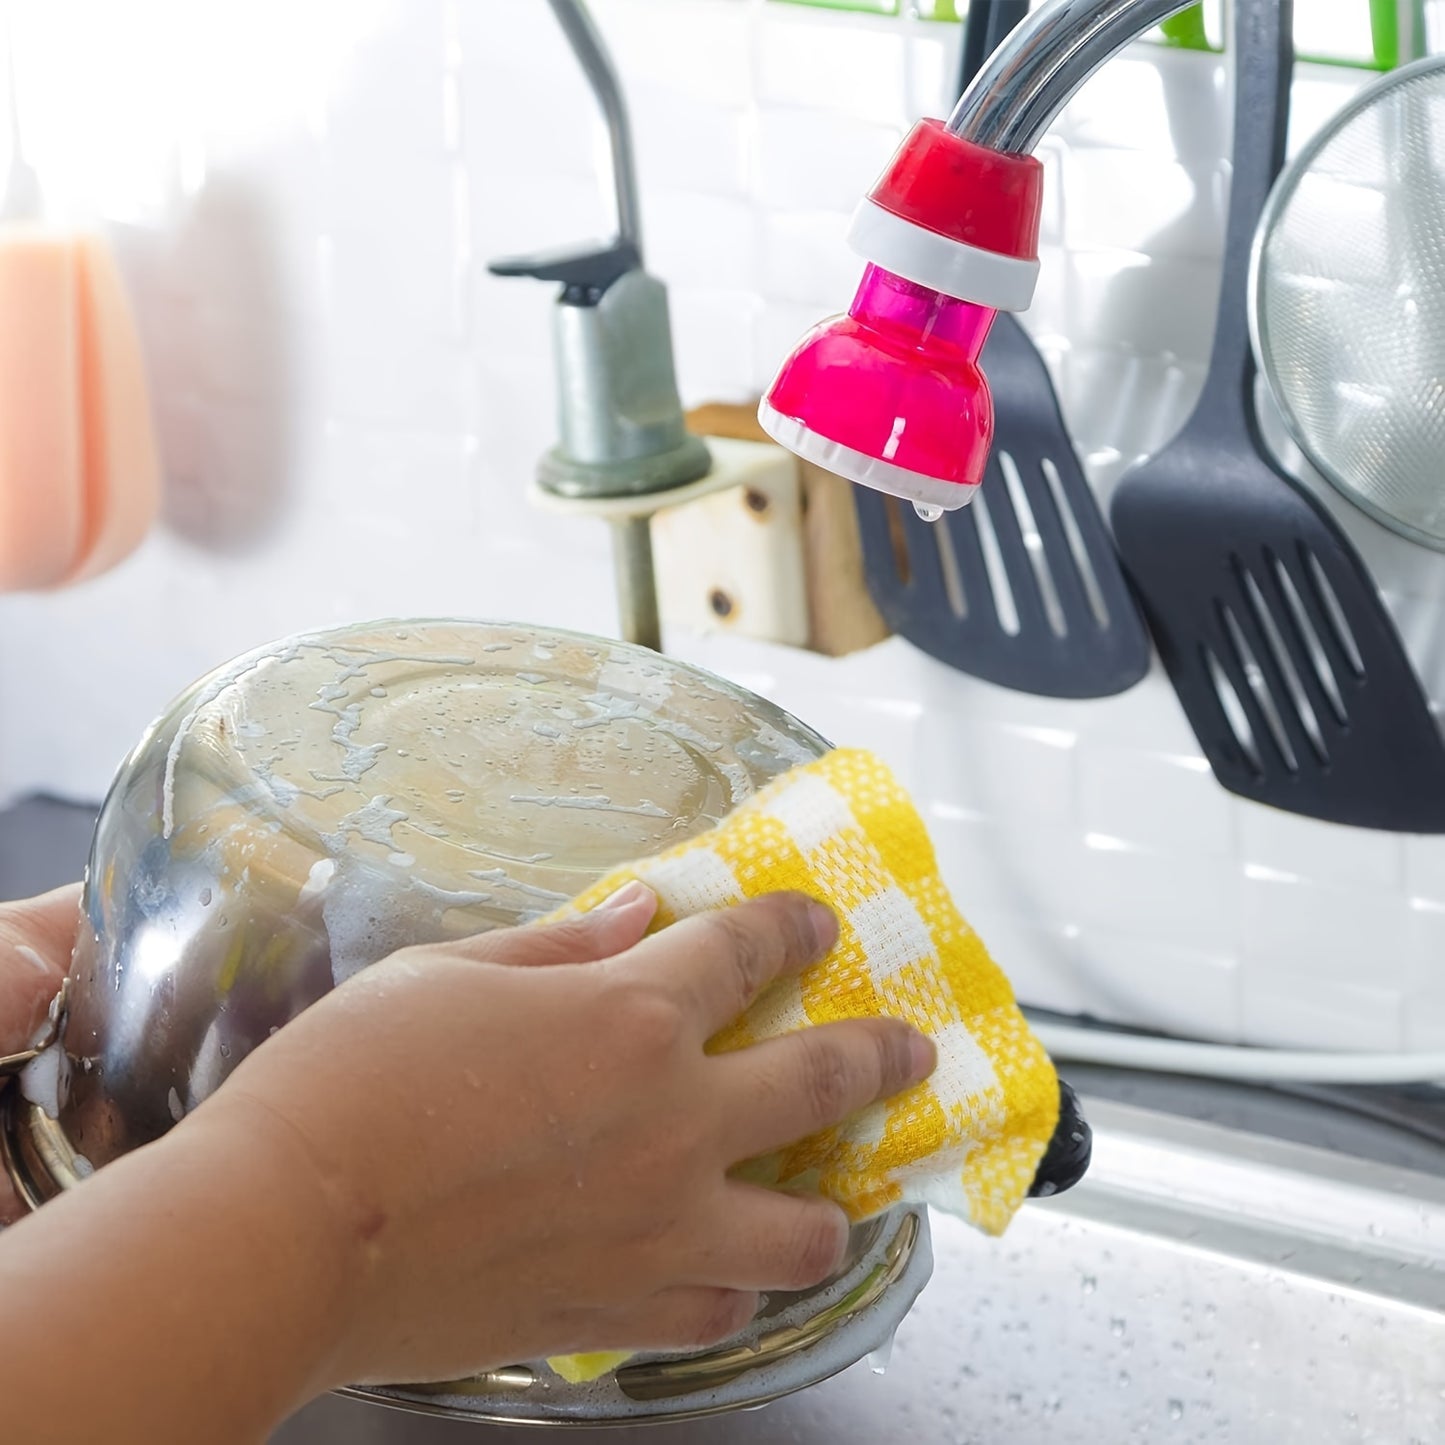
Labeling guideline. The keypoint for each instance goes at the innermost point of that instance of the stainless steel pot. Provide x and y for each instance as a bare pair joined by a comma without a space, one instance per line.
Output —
309,808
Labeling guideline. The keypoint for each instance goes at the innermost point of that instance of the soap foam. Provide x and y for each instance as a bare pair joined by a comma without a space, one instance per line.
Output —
45,1080
600,804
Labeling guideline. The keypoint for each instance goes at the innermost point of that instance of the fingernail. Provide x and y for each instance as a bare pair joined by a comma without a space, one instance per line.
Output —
31,957
922,1057
628,896
825,926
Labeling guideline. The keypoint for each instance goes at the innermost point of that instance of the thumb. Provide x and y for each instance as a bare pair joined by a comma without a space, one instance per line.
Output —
36,937
614,926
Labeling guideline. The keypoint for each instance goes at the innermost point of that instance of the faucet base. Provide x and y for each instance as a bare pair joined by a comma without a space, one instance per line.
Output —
564,476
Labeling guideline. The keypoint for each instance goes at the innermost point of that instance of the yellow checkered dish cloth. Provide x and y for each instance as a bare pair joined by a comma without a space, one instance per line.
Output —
969,1139
842,830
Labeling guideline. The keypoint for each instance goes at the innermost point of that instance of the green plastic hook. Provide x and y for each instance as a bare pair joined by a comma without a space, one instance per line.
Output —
1391,42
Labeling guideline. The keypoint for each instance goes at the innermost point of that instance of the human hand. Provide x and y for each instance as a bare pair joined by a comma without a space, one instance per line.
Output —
36,937
521,1149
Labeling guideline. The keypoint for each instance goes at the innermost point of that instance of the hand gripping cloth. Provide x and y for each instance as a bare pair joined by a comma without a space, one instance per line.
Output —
842,830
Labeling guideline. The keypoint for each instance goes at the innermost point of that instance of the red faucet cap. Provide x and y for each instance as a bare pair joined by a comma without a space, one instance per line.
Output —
957,217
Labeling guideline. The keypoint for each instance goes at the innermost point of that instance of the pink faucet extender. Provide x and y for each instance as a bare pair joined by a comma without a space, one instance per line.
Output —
890,395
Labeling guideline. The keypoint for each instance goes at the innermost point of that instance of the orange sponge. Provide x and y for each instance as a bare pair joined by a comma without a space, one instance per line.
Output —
79,475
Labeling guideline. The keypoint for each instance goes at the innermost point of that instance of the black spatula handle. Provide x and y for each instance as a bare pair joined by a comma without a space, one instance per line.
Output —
987,25
1263,45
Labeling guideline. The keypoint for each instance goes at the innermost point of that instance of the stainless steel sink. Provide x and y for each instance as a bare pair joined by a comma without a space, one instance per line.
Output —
1205,1283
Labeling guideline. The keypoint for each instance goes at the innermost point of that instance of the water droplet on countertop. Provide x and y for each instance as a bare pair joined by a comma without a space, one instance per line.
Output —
1088,1284
1124,1380
1176,1409
1117,1328
205,897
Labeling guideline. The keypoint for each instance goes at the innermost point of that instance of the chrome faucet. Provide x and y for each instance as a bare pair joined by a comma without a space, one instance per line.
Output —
1034,74
891,395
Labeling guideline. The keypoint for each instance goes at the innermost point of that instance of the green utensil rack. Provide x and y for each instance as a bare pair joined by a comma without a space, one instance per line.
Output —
1397,35
1397,27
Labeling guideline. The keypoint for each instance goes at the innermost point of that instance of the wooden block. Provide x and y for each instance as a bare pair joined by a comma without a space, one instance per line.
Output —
841,614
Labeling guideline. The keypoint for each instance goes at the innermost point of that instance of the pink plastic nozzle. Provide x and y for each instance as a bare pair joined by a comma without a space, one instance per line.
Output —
891,395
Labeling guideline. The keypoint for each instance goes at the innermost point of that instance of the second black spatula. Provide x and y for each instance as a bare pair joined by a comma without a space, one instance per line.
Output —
1273,632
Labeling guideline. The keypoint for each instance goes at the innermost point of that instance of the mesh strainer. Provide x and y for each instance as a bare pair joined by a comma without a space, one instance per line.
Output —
1347,300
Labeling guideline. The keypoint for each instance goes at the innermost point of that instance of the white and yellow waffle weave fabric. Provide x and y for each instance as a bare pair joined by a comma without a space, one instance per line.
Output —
842,829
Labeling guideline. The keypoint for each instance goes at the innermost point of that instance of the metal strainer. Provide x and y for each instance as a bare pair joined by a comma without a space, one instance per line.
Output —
1347,300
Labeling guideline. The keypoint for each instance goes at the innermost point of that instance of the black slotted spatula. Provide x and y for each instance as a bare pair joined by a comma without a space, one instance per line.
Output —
1022,587
1273,632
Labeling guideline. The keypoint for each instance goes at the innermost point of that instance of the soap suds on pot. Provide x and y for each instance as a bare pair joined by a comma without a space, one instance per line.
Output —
45,1080
317,879
599,805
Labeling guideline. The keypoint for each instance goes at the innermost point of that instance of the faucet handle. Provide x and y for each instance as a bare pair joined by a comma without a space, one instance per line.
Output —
585,273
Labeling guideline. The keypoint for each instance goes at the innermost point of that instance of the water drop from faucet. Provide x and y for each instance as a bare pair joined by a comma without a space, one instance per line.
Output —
878,1359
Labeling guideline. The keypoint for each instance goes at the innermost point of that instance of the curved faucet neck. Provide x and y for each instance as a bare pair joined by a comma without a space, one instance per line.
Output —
1032,76
591,52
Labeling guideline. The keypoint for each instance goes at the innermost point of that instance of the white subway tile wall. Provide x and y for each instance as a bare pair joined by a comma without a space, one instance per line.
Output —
304,195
